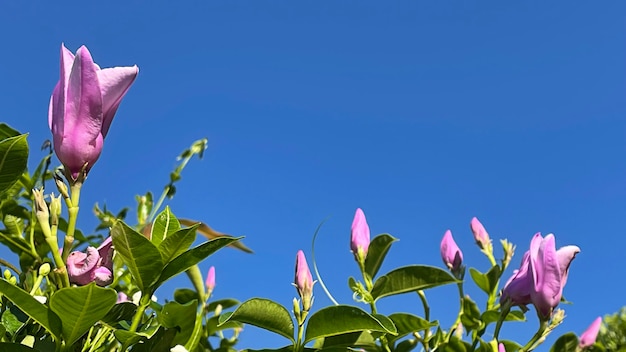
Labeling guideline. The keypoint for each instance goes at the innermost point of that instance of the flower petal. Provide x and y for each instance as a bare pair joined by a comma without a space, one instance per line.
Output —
565,256
114,83
547,289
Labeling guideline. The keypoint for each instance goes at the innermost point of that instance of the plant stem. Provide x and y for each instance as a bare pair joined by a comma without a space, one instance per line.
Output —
531,344
144,302
422,296
505,311
73,216
458,318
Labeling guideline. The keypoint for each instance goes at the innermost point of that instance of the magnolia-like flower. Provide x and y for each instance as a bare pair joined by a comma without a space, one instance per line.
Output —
501,348
541,276
82,107
480,234
588,338
451,253
94,266
360,236
304,281
210,280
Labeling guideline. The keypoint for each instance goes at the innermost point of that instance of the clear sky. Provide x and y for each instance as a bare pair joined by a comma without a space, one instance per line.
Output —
423,113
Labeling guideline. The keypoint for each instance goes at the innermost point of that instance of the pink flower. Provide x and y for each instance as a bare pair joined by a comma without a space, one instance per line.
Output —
588,338
95,265
541,276
210,280
360,236
304,281
451,253
501,348
82,107
480,234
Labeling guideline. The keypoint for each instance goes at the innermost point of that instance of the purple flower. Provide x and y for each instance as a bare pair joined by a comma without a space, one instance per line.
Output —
360,236
304,281
450,252
480,234
501,348
588,338
541,276
82,107
95,265
210,280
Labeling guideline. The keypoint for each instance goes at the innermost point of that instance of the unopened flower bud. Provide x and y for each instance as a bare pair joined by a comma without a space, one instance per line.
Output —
218,309
41,208
61,186
13,280
6,274
451,253
210,281
44,269
509,251
480,235
588,338
55,209
304,281
360,236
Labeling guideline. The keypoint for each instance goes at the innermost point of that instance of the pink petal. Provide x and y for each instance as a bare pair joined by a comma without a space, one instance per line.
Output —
547,276
588,338
114,83
565,256
360,234
450,252
102,276
106,253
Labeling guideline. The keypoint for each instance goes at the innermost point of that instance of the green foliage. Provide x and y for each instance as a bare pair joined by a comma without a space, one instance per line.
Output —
409,279
612,335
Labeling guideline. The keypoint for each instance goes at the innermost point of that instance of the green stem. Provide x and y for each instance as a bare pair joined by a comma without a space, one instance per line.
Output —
531,344
458,318
505,311
196,279
51,240
144,302
73,216
422,296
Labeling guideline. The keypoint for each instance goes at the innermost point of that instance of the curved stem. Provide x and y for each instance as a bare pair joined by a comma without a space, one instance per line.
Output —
458,318
422,296
144,302
531,344
505,311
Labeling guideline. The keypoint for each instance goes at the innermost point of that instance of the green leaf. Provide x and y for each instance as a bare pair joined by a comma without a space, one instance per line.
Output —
138,253
15,347
341,319
7,131
10,321
225,303
491,316
480,279
213,325
350,339
164,225
455,345
263,313
471,314
185,295
565,343
493,276
123,311
409,323
410,279
13,159
511,345
176,243
29,305
376,253
80,308
179,316
193,257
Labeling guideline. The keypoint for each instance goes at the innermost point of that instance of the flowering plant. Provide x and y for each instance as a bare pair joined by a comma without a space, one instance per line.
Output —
100,298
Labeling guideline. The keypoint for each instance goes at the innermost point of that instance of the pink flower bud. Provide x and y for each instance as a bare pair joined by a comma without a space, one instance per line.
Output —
501,348
480,234
588,338
360,237
210,280
304,281
450,252
82,107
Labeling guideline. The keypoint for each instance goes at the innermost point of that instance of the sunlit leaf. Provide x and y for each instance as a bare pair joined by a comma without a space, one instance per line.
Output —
176,243
341,319
376,253
29,305
79,308
138,253
13,159
164,225
410,279
409,323
265,314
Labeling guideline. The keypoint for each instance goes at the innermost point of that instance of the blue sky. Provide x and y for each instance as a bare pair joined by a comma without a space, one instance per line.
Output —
424,114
